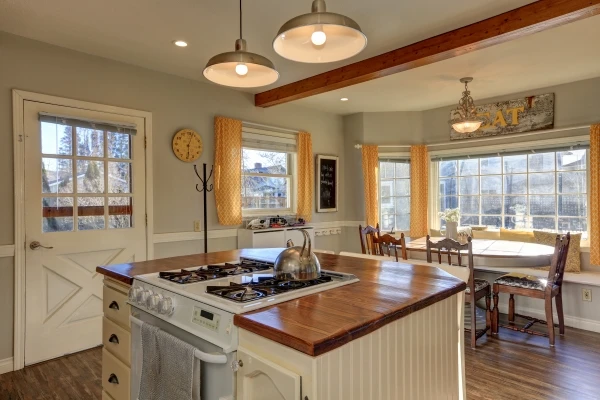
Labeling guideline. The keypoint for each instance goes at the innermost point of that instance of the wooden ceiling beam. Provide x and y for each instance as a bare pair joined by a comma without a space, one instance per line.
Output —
526,20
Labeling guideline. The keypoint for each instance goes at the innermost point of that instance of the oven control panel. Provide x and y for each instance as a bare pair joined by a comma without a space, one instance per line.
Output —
206,318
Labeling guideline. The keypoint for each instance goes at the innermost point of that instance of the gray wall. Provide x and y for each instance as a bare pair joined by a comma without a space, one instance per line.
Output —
175,103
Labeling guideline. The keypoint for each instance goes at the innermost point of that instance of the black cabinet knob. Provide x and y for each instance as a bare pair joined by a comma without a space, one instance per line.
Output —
113,339
113,379
114,305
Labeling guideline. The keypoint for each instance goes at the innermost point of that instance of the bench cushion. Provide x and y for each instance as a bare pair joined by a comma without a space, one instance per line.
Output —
479,284
524,281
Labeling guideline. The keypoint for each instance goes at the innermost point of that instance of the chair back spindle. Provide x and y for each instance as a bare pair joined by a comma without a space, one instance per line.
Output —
366,236
389,242
449,245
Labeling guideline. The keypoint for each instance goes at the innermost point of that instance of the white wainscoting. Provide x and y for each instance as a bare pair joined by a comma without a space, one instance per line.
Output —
224,233
7,250
6,365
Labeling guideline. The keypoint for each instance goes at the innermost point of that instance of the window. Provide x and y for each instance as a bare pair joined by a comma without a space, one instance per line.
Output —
86,176
394,195
266,181
545,190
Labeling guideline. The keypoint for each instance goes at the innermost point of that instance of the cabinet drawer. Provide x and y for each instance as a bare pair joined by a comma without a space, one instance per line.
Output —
115,377
117,340
115,306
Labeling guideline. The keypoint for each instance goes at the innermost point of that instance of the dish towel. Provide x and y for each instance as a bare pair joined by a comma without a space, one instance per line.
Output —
169,368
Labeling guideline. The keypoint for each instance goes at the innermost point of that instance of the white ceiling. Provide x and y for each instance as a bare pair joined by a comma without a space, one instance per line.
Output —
141,32
565,54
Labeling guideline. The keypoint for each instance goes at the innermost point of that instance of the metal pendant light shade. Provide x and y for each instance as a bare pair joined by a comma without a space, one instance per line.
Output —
319,37
240,68
466,120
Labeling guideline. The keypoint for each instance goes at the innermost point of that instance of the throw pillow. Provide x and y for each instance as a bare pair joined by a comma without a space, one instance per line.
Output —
435,233
492,235
516,235
573,257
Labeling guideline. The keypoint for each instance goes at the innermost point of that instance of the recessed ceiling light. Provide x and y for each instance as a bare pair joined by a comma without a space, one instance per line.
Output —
344,99
180,43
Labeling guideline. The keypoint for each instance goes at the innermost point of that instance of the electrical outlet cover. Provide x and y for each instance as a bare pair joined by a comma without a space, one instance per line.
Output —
587,294
197,226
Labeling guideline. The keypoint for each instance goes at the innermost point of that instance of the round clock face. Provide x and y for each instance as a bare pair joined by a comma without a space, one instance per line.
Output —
187,145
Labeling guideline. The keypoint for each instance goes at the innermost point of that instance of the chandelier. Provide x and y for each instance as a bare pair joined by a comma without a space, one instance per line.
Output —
465,120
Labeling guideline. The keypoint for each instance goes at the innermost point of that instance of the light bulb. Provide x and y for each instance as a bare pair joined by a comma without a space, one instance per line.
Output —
318,37
241,69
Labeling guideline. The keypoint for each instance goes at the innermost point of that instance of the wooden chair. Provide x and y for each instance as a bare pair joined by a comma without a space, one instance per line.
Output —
531,286
476,288
366,240
388,242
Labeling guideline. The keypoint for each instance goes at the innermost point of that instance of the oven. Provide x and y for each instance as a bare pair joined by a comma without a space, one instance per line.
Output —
217,378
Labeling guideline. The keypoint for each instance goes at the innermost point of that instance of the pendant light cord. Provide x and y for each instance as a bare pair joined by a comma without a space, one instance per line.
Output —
241,19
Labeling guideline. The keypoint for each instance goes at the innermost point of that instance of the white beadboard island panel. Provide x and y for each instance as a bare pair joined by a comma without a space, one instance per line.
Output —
415,357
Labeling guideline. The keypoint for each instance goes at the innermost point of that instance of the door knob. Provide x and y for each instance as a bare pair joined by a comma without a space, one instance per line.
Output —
36,245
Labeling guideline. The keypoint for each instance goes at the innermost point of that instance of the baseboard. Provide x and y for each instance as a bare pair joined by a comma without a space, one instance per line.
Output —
6,365
573,322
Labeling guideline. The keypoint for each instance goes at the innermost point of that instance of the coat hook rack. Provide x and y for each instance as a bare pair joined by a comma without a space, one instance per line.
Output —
204,188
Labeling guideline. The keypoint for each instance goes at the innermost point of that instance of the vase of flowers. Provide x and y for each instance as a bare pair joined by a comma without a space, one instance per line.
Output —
451,216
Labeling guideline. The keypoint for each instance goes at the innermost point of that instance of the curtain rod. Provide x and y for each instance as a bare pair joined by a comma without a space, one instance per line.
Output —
253,124
486,139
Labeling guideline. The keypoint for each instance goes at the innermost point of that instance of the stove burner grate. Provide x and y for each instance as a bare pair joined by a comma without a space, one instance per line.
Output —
209,272
263,287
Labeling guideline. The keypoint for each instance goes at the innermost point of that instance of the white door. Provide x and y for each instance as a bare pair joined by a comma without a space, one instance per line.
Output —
261,379
84,207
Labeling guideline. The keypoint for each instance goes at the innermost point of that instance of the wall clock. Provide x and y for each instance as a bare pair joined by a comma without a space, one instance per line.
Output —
187,145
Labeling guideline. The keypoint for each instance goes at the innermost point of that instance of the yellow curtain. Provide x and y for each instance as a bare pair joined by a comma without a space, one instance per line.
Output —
228,170
595,195
306,176
370,165
419,188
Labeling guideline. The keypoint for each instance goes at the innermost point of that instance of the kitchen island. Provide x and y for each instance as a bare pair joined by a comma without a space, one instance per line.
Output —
394,334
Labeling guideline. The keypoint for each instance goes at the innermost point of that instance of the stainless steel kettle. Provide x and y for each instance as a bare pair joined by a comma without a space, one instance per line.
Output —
298,263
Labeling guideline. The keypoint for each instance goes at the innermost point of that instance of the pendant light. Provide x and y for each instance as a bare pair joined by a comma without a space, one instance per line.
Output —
319,37
466,121
240,68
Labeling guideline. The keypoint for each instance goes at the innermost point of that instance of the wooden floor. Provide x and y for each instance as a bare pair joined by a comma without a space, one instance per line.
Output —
511,366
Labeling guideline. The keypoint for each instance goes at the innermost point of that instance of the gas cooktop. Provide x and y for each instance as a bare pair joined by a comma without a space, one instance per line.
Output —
209,272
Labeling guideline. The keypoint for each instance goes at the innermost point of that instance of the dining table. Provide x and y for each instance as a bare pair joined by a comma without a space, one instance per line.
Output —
493,253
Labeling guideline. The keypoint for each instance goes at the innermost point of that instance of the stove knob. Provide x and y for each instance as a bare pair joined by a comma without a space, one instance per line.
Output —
165,306
142,296
152,301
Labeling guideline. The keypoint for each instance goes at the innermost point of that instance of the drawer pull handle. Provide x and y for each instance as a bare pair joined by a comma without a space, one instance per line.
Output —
114,339
113,379
114,305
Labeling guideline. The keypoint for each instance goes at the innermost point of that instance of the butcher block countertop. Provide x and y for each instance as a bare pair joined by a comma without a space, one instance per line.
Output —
321,322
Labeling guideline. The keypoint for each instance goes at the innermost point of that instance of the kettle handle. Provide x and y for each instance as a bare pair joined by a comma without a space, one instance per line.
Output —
306,239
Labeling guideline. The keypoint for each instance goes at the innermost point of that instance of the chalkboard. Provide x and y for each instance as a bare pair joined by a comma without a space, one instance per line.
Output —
327,183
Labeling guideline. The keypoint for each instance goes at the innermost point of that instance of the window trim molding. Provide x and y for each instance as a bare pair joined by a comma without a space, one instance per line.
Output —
528,145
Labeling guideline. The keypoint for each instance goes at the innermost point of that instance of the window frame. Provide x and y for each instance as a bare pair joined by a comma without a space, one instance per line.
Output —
549,145
292,189
403,158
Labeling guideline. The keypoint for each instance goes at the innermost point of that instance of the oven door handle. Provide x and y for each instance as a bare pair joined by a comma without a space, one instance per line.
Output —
202,356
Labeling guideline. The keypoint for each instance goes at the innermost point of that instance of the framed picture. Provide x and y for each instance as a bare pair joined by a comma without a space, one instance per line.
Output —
327,183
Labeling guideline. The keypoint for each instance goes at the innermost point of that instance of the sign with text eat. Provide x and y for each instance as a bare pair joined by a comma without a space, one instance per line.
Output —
527,114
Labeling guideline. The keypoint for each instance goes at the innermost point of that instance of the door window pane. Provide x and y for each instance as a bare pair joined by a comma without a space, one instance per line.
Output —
57,175
57,214
57,139
120,212
90,176
119,177
90,142
90,211
119,145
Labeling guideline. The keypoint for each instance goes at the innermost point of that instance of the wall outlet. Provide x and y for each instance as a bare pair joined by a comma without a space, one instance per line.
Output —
197,226
587,294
